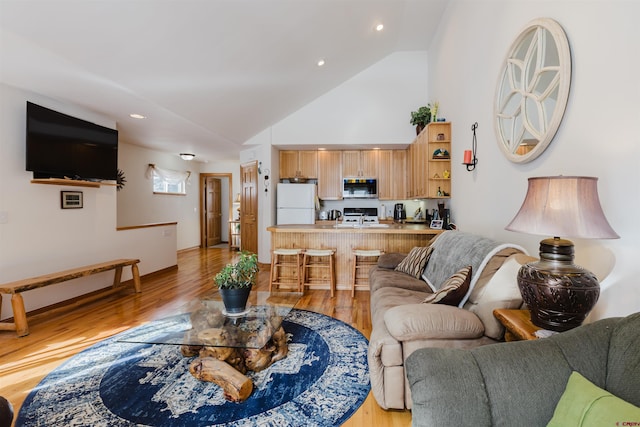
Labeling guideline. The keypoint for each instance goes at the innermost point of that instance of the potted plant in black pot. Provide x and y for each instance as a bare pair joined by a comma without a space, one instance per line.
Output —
421,118
236,280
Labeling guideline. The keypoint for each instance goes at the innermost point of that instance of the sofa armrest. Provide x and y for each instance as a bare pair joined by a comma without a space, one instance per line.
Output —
428,321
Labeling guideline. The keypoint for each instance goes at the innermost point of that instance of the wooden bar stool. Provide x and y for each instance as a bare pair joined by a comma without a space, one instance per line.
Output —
362,259
286,268
322,259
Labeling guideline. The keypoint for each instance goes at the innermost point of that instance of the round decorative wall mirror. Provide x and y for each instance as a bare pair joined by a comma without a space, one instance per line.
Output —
532,90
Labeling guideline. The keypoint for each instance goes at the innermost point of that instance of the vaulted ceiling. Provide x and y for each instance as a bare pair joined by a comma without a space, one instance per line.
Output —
207,74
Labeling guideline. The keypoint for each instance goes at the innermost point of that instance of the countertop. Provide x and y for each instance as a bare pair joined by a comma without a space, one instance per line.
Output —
368,229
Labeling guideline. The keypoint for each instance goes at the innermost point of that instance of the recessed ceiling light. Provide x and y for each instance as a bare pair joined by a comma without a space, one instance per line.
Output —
320,62
136,116
379,27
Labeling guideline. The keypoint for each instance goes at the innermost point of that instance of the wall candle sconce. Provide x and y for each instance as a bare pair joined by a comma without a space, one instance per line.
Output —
470,160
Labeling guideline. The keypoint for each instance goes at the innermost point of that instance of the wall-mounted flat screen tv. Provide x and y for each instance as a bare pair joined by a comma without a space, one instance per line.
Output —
61,146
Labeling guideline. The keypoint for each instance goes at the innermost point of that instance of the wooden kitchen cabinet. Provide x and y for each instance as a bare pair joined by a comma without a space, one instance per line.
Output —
439,179
429,177
329,175
360,163
302,163
392,178
418,166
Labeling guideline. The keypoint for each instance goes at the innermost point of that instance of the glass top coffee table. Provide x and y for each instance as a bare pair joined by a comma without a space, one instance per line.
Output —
208,324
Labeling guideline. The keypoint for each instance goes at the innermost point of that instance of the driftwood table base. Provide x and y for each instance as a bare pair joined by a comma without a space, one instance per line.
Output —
237,387
226,366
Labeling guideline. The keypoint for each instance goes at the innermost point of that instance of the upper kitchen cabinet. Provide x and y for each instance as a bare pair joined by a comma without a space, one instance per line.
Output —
429,163
298,163
329,175
439,152
360,163
392,179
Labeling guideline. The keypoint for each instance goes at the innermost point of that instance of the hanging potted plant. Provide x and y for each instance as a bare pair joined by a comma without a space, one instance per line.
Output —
236,280
421,118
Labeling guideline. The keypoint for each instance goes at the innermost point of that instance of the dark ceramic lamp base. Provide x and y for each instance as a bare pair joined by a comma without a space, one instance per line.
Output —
558,293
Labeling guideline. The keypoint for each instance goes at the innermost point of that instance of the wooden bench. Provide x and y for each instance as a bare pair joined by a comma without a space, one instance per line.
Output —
16,288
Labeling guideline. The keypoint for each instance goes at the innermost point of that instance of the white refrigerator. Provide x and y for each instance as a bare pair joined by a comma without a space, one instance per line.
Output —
296,203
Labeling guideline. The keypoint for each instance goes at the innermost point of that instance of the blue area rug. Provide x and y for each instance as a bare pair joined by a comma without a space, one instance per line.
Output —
322,382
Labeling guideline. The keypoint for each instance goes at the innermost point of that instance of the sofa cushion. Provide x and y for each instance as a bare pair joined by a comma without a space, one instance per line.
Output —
390,260
585,404
501,291
453,289
414,262
431,321
384,278
493,265
386,298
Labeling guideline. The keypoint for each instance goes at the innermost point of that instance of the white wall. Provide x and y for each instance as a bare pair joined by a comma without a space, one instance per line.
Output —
138,205
39,237
598,135
373,107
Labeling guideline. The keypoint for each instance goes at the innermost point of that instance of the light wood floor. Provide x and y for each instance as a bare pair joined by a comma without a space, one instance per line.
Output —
54,338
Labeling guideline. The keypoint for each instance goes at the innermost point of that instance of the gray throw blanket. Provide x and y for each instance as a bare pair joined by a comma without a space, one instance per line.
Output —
454,250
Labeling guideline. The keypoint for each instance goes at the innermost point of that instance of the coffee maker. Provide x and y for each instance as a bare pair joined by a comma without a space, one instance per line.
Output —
399,213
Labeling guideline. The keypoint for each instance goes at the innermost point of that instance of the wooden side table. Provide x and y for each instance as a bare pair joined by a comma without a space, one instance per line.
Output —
517,324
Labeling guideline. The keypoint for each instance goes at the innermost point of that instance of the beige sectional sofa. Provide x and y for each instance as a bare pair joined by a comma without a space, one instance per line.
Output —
403,323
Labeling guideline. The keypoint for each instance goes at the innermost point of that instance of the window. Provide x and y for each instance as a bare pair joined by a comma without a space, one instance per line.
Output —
169,181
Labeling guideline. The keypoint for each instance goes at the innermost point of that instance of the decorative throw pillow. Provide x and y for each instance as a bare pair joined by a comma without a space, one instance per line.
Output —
415,261
453,289
585,404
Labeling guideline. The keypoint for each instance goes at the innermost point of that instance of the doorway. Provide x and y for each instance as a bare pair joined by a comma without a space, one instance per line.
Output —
215,205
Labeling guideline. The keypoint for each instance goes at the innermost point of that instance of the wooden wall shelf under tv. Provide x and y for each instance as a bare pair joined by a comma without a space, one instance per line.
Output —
71,182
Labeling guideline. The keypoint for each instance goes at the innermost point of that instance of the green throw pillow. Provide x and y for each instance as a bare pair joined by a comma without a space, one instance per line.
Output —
584,404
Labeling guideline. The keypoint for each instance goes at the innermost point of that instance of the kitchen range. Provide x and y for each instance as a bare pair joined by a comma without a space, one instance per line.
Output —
360,217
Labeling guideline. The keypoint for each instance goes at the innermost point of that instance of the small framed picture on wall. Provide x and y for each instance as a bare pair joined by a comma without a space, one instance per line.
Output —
436,224
71,199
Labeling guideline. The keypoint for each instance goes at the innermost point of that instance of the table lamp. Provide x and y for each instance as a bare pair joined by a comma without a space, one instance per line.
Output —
559,293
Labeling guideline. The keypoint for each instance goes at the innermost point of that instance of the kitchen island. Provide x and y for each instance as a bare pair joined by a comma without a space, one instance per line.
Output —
343,238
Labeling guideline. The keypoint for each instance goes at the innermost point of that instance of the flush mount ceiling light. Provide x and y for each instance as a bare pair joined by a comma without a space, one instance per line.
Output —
187,156
136,116
320,62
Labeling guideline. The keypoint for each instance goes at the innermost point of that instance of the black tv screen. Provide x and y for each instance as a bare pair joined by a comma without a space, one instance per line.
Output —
61,146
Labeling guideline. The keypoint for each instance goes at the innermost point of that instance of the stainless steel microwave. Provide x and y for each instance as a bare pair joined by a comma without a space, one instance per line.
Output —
359,188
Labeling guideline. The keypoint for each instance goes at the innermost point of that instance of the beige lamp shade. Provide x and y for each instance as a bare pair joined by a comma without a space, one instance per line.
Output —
566,206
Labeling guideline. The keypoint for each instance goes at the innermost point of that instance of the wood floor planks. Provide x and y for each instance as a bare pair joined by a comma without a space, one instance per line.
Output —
57,337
